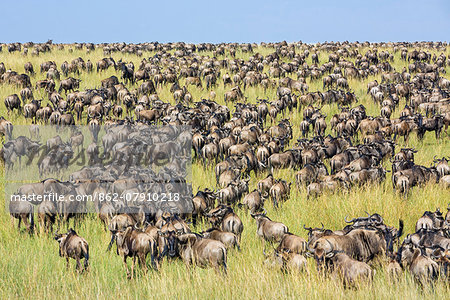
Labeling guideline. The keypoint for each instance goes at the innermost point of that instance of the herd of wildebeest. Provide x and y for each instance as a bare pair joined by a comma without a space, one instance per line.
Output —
250,138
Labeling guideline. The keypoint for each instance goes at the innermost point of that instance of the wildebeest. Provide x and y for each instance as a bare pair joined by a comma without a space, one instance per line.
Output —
360,244
69,84
269,230
12,102
351,271
195,250
430,220
286,260
73,246
279,192
22,210
229,239
134,243
423,268
6,128
253,201
226,219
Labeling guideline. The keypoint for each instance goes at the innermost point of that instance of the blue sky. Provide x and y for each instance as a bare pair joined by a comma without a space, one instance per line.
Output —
223,21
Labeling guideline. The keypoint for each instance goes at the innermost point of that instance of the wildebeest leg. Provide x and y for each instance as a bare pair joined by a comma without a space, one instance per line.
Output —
20,221
25,222
67,262
132,266
142,263
126,267
78,264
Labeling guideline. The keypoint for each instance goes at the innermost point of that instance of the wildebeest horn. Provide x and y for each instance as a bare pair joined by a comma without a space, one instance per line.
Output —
368,215
307,228
331,245
265,211
322,226
351,221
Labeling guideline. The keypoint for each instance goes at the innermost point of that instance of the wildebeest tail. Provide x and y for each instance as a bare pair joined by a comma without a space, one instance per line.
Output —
404,188
113,237
32,219
224,262
152,254
85,248
400,228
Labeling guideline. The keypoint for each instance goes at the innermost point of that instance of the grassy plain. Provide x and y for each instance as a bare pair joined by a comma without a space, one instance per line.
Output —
30,265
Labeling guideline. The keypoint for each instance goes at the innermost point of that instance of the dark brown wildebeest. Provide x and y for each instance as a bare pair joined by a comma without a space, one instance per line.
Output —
430,220
430,124
105,63
12,102
265,184
234,94
151,115
47,215
310,173
269,230
31,108
45,66
22,210
405,154
110,82
29,68
423,268
360,244
229,239
286,260
147,88
228,176
253,201
140,75
195,250
351,271
73,246
226,219
26,94
69,84
194,81
210,153
6,128
135,243
279,192
287,159
293,243
442,166
202,201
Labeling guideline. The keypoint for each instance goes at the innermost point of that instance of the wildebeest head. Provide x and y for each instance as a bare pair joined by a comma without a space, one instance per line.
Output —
170,235
405,252
321,249
315,233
